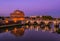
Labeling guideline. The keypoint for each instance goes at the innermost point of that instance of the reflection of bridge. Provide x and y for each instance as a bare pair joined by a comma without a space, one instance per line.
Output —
55,22
19,31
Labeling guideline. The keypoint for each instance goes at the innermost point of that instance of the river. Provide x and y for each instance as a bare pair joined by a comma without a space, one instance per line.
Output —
29,33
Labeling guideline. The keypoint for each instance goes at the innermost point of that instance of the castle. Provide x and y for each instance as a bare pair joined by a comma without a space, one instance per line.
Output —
17,15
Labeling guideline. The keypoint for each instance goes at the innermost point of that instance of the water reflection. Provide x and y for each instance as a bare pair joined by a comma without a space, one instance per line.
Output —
19,30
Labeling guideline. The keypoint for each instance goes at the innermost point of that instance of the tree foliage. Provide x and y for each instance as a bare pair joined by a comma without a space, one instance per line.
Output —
47,17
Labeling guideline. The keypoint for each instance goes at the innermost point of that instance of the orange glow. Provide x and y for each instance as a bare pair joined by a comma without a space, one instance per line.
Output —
17,19
14,30
17,15
27,26
6,21
21,29
18,31
20,18
27,21
6,30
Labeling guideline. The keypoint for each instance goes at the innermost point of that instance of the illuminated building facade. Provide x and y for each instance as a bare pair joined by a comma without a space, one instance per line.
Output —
17,15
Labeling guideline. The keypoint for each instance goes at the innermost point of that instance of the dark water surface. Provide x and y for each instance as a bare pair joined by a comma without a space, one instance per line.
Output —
29,33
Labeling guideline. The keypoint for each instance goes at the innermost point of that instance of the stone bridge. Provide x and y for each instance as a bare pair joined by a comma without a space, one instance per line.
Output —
55,22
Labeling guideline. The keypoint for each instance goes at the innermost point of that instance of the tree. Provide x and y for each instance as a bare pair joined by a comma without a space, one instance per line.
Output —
2,18
47,17
38,17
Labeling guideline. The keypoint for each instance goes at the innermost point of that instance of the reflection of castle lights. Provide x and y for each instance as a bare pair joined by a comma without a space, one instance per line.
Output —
6,30
18,31
21,29
15,29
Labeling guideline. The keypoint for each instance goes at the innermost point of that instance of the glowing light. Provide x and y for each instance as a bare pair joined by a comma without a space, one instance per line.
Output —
17,12
6,21
54,22
21,29
6,30
15,21
17,15
27,26
27,21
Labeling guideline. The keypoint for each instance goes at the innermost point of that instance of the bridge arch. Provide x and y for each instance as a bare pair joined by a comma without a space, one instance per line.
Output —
50,24
42,24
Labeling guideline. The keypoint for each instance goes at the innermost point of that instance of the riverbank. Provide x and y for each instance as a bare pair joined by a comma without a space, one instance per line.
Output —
10,25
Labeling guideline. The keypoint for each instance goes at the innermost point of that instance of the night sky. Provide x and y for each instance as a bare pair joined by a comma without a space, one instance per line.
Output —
31,7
